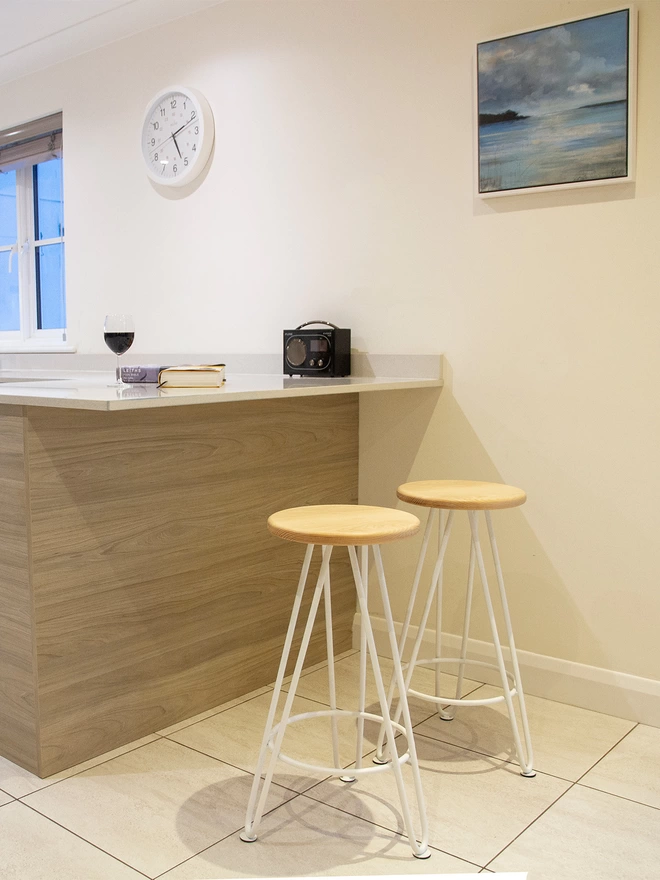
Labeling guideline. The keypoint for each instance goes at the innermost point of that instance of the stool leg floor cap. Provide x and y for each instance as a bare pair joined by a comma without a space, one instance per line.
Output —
423,855
247,838
528,773
347,778
377,760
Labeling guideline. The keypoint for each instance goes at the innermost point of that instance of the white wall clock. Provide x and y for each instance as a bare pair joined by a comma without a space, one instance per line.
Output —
177,136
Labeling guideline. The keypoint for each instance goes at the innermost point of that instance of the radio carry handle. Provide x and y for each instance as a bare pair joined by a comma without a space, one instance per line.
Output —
307,323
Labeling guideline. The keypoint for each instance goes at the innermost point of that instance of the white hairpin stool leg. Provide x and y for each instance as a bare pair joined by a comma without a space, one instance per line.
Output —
362,699
331,671
255,809
528,762
420,850
525,762
442,713
381,756
450,712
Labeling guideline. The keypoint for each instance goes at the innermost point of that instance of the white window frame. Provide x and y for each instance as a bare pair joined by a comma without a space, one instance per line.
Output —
29,338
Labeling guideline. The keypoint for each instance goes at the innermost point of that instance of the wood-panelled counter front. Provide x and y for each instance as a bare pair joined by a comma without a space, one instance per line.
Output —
139,584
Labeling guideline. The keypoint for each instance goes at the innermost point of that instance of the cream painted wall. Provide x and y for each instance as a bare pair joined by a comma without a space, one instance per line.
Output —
341,186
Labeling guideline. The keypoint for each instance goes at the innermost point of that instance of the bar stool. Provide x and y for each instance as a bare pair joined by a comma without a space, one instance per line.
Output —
350,526
472,496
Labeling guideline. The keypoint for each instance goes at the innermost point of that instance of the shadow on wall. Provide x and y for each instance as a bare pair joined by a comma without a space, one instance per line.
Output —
425,434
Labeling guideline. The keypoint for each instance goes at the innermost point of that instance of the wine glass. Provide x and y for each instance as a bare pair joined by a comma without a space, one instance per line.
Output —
118,333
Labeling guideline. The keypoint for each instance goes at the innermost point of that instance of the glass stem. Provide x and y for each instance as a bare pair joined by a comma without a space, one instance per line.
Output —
118,372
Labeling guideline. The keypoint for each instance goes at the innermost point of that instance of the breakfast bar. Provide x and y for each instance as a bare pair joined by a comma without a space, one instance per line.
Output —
138,583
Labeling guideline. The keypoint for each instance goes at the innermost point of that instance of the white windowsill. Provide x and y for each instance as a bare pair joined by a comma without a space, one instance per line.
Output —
36,348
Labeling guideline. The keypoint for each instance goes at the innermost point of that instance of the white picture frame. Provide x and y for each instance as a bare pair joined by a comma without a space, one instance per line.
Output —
575,86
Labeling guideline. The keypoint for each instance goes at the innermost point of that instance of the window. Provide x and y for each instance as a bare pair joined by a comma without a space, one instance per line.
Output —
32,291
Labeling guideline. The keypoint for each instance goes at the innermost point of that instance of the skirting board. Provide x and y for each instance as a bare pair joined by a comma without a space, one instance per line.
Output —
589,687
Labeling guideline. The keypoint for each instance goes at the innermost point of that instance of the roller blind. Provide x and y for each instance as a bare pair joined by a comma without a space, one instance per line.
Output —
31,142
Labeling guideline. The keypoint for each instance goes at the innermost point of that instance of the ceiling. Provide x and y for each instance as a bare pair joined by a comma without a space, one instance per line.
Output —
37,33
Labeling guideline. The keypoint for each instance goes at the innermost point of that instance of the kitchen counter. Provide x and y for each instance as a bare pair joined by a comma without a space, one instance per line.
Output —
93,391
139,584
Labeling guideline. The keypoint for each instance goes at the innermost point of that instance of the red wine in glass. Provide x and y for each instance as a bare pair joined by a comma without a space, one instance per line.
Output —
118,333
119,342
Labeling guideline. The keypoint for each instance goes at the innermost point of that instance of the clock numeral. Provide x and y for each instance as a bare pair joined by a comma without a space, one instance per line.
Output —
155,157
185,162
185,104
174,168
156,125
173,103
197,129
193,115
194,146
153,142
162,111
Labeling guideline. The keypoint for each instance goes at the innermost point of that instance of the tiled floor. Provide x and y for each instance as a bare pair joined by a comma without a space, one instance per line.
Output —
172,804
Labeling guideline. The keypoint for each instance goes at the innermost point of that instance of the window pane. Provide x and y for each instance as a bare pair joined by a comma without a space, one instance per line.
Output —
10,318
8,208
48,204
51,310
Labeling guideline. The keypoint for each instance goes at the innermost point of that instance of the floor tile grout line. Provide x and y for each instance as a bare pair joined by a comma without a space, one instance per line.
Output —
223,839
516,763
527,827
582,785
316,668
620,796
233,766
267,687
617,743
510,761
84,839
399,833
251,773
497,758
221,709
92,767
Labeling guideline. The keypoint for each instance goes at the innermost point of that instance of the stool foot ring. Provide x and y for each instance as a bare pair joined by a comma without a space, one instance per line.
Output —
337,771
247,838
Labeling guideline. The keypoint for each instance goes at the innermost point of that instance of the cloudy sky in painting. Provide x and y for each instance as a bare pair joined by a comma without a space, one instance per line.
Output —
554,69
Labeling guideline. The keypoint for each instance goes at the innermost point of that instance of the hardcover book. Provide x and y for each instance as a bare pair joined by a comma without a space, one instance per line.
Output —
192,376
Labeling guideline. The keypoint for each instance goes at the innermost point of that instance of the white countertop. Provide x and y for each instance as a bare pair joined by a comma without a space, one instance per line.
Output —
93,390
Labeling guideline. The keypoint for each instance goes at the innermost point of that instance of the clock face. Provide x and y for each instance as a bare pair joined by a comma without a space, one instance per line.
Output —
177,136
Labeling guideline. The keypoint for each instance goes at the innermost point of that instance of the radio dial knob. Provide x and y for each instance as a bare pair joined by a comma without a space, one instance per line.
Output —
296,352
320,362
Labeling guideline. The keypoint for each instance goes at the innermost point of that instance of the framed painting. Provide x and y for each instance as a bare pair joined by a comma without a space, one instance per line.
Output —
556,106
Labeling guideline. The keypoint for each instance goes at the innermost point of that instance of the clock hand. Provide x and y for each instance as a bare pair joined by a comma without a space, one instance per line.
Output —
154,149
177,147
185,125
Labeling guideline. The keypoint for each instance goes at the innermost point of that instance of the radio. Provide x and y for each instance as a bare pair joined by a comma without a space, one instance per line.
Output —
317,352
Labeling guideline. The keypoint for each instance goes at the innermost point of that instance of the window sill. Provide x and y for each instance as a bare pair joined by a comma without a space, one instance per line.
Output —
36,348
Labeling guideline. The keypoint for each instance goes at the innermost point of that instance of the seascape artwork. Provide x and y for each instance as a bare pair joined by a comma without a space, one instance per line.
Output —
553,105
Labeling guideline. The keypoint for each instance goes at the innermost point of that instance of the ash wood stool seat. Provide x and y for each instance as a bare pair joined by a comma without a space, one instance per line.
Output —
473,497
329,526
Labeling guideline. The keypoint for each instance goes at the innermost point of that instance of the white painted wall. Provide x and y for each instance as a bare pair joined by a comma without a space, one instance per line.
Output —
341,186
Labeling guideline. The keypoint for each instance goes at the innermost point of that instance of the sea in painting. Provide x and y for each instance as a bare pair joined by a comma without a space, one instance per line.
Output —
553,105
